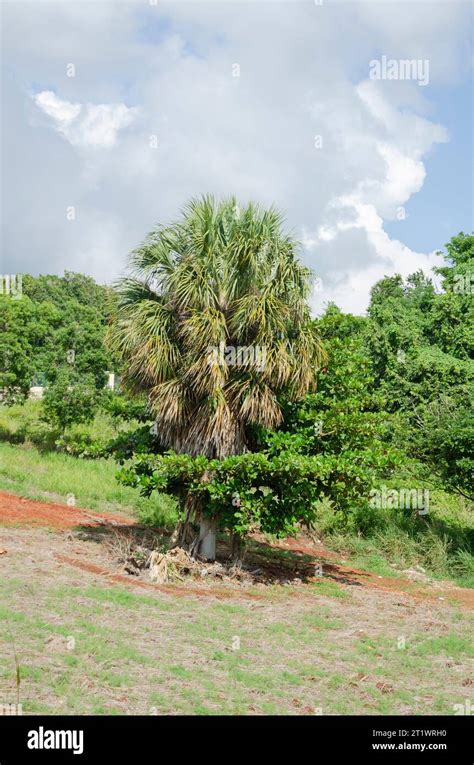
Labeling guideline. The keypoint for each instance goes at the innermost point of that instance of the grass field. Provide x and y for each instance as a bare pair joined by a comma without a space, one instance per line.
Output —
84,646
23,422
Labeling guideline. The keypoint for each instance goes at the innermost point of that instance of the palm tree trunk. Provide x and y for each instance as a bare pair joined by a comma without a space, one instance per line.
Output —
206,547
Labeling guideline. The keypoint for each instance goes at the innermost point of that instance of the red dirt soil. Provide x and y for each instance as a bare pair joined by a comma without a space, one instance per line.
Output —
353,576
18,511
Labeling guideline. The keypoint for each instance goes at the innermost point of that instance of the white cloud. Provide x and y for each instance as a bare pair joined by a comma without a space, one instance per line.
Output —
400,140
86,125
61,112
352,289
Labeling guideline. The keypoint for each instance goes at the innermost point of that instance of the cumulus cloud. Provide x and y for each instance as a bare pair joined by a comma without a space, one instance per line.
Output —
398,140
86,125
351,287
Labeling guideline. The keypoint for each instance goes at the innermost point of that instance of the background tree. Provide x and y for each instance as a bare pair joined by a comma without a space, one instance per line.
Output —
421,347
344,423
17,317
68,401
443,438
80,311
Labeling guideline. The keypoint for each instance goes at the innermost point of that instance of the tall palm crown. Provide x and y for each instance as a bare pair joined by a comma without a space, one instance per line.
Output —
222,277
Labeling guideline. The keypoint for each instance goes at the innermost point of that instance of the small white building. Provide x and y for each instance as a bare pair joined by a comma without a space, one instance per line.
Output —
36,391
110,384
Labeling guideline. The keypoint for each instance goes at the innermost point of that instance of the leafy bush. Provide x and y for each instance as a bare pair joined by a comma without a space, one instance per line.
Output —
124,408
444,440
81,445
272,493
131,442
159,512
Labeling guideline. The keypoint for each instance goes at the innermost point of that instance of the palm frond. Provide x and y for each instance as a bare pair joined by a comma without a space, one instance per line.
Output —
224,276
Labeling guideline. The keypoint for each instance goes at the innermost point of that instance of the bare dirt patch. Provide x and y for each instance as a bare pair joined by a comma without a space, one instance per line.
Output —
308,557
19,511
170,589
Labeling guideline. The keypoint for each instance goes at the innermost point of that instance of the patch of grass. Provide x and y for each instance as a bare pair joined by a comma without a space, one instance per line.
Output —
259,681
324,586
229,608
132,659
336,681
32,707
157,699
10,615
291,678
23,424
114,595
179,671
453,645
282,628
115,679
321,622
100,709
442,543
29,672
52,476
368,647
309,672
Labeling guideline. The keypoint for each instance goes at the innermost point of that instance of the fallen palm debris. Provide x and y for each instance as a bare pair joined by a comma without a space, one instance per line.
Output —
176,564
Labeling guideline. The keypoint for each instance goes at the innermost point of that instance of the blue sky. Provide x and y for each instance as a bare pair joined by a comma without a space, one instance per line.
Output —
444,206
270,101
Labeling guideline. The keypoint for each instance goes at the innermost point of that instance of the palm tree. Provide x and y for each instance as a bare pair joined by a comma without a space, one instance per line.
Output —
213,324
